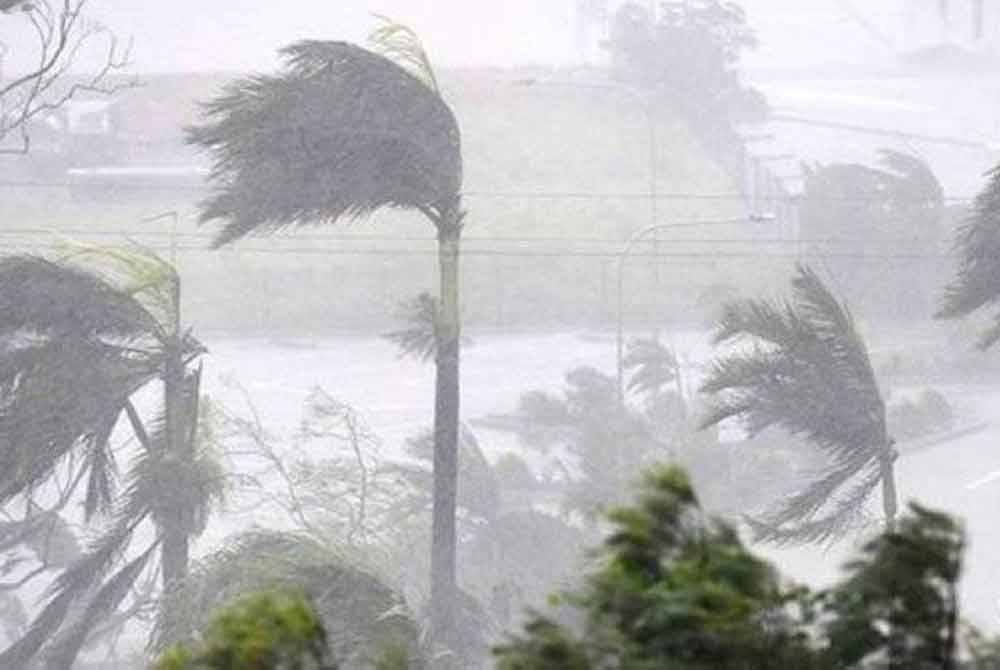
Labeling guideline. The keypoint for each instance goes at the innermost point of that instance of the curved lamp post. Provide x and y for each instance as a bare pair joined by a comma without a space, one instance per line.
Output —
623,255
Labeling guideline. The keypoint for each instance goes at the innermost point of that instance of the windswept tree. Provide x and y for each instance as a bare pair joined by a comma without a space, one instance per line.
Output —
77,346
340,133
977,283
896,206
52,36
801,365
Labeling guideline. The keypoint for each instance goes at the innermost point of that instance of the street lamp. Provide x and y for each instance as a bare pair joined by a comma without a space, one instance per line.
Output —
623,255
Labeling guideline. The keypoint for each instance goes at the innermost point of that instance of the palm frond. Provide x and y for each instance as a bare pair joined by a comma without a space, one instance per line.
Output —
102,470
43,298
653,364
356,607
806,370
420,338
339,133
63,650
45,533
75,583
56,396
181,486
401,45
977,282
135,271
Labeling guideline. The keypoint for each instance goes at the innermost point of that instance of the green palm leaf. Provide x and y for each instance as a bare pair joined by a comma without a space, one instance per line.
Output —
401,45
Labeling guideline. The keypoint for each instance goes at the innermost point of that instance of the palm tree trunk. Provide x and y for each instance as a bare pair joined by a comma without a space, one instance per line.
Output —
175,540
175,551
446,413
890,503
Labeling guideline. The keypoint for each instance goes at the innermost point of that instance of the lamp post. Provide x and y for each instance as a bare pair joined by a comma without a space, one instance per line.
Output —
623,255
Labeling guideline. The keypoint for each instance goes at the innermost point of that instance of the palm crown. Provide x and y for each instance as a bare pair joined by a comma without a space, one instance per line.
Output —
340,133
76,348
803,366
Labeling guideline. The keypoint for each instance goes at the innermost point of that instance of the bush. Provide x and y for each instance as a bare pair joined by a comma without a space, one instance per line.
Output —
263,631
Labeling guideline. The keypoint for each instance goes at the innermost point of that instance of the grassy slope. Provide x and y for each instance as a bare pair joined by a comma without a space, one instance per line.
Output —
518,139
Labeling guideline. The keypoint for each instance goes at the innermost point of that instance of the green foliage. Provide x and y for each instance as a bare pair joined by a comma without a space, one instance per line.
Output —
899,600
264,631
676,589
401,45
358,611
545,645
803,366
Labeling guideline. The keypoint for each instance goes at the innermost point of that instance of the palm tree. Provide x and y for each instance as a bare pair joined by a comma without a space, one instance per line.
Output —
339,134
977,284
76,347
360,611
801,365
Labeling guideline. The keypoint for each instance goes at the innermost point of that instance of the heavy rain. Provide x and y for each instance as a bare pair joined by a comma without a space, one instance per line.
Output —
444,335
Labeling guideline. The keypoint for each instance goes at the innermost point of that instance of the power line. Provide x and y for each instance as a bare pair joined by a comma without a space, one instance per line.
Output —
298,238
512,253
496,195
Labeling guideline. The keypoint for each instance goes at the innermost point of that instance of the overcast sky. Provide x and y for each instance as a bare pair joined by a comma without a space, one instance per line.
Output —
242,35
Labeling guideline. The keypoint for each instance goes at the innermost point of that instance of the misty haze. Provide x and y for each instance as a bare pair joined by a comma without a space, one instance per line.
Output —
442,335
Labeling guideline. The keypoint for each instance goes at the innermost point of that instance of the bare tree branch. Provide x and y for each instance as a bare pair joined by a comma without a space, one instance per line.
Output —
60,33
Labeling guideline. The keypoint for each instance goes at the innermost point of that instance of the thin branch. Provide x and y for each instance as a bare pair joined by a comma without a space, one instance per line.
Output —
60,33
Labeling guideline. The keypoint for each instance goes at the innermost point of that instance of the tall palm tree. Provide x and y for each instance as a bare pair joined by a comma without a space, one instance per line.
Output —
76,347
801,365
977,284
340,133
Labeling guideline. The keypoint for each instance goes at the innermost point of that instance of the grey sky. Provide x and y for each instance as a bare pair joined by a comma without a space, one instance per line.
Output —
243,35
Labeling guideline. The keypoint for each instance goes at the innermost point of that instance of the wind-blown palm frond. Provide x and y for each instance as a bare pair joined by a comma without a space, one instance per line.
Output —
356,607
803,366
420,338
64,649
138,273
401,45
48,299
654,365
340,133
977,282
85,334
57,395
76,583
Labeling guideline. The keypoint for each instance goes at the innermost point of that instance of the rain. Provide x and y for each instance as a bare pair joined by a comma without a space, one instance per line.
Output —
440,335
